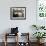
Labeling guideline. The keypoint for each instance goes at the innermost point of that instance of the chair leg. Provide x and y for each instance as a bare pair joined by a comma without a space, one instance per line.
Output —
5,43
5,39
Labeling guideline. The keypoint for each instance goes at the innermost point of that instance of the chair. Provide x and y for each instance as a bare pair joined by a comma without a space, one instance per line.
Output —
7,35
14,32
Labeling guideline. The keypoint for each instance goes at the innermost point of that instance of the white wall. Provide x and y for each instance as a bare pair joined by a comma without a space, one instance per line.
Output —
24,25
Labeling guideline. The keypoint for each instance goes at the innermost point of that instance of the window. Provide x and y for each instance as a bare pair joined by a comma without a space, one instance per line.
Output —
41,8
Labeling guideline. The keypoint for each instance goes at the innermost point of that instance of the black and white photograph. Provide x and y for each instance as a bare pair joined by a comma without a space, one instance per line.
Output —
18,13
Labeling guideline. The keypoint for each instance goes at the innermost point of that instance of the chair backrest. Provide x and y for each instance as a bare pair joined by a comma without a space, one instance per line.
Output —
14,30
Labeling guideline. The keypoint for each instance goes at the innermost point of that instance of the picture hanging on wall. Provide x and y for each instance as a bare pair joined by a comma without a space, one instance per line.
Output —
18,13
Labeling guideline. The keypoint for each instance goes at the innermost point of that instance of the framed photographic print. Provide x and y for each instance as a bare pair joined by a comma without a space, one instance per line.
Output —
18,13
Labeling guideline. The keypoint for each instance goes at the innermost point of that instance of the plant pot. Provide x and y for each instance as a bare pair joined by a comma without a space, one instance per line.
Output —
40,41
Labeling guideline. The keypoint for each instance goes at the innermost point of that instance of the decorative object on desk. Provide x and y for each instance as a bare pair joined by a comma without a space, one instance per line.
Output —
17,13
14,30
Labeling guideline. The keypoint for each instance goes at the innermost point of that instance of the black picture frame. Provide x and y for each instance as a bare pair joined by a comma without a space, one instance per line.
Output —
17,13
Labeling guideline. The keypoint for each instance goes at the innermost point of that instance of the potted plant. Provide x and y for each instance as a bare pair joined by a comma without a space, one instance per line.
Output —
39,35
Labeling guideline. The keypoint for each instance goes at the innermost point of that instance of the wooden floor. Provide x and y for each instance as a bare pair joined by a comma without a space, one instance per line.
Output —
13,44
